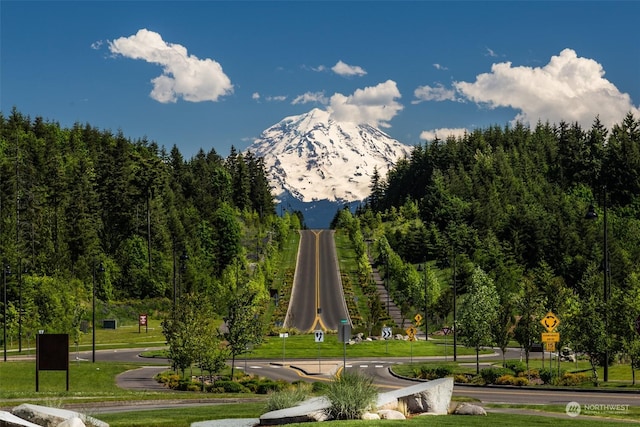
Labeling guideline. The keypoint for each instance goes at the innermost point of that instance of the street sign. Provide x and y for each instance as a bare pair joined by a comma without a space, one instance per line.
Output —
550,346
386,332
284,335
550,322
319,335
550,337
344,332
411,332
446,330
418,319
638,324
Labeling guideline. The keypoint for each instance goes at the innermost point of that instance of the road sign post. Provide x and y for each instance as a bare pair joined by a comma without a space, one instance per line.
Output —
319,337
284,336
386,334
445,331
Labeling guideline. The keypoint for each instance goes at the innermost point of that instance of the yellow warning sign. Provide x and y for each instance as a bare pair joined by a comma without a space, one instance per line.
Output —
550,322
418,319
550,337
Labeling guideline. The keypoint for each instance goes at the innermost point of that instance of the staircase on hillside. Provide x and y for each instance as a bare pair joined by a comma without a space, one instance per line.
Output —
383,294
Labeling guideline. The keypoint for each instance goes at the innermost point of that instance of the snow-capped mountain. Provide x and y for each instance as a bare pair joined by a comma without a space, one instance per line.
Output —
313,158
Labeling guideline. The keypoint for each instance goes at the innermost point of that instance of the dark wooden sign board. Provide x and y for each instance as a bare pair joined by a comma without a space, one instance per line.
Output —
52,354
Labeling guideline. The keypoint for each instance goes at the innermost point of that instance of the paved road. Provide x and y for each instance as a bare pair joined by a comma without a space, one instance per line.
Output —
317,298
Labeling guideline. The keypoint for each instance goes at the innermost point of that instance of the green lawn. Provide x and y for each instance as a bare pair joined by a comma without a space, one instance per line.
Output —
304,346
181,418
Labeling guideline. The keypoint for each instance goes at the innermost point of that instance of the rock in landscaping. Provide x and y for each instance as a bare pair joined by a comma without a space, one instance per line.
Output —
368,416
390,414
432,397
72,422
469,409
7,419
52,417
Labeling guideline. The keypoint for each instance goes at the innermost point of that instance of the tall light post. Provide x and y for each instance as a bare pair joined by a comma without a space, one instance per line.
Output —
20,273
455,311
183,268
386,280
6,272
93,331
426,299
591,215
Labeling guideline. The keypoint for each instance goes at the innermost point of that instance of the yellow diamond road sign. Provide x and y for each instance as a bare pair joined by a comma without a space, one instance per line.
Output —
550,322
418,318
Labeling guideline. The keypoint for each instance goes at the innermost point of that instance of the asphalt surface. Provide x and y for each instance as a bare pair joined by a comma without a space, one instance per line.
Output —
317,299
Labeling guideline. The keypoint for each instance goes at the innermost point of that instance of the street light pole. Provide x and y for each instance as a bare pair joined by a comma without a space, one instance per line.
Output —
93,328
426,322
386,279
591,214
455,311
6,272
183,267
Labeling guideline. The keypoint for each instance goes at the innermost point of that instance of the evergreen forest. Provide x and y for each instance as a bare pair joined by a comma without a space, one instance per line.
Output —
90,215
513,221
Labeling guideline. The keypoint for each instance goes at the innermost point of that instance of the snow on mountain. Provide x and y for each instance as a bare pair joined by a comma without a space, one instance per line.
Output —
311,157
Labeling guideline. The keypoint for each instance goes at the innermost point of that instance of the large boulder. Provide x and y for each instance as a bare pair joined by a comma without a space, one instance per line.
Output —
469,409
314,409
7,419
52,417
431,397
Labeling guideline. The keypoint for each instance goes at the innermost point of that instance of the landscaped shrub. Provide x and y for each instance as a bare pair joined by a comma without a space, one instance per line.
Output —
460,378
229,387
490,375
571,379
266,386
532,374
286,398
511,380
168,378
319,387
433,372
516,366
350,395
550,376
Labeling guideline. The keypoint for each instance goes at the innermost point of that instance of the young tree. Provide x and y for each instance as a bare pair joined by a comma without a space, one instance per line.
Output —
246,301
478,313
529,306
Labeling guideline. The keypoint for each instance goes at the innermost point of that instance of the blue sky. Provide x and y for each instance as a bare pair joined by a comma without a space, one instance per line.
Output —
212,74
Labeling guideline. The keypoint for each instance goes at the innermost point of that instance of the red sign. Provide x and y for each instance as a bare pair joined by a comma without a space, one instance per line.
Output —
142,320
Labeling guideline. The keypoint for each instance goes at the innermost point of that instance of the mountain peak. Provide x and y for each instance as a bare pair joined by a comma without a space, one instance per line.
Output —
313,157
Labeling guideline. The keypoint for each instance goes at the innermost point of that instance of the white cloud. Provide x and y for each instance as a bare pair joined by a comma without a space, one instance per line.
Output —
255,96
568,88
97,45
277,98
183,76
343,69
375,105
439,67
305,98
437,93
442,133
491,53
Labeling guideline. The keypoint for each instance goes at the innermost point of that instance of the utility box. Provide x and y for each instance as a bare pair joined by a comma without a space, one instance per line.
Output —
109,324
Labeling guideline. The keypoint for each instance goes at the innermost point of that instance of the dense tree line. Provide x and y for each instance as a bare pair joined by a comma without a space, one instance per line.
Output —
75,199
511,202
